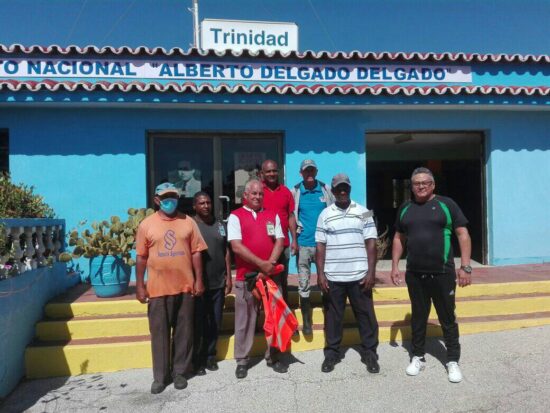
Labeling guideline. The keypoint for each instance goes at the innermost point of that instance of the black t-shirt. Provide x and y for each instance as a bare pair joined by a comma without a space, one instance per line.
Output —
429,228
213,259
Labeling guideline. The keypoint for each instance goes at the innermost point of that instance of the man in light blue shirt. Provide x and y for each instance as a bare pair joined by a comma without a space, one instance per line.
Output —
310,197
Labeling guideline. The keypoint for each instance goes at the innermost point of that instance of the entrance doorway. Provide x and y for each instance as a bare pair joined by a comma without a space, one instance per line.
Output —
219,164
457,162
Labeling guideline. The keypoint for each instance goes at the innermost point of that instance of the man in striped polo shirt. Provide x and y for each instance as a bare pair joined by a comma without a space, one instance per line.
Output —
346,265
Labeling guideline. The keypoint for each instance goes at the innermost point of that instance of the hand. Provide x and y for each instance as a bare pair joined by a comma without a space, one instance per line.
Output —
141,294
322,282
294,248
266,267
395,276
198,288
464,279
228,286
368,282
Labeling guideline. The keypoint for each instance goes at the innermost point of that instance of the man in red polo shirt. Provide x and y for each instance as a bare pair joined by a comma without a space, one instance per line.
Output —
279,199
257,241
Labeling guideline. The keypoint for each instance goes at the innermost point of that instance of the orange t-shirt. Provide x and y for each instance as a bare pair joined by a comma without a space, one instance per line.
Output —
168,244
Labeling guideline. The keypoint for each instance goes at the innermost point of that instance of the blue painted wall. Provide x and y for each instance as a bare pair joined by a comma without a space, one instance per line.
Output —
90,163
22,301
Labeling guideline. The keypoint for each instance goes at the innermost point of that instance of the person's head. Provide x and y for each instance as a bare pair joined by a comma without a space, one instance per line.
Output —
341,189
202,205
423,184
270,173
254,194
308,170
166,198
184,171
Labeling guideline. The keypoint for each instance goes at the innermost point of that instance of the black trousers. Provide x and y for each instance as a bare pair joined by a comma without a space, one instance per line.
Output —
362,304
439,289
208,322
171,328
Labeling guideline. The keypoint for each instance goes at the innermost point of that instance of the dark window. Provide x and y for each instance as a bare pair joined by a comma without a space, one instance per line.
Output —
4,151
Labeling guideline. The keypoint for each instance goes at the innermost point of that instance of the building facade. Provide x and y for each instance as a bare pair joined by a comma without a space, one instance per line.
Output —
95,130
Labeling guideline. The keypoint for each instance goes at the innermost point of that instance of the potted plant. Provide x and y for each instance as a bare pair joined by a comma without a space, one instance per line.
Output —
108,245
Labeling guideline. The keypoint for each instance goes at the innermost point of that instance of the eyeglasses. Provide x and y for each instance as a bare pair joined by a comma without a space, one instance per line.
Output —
423,183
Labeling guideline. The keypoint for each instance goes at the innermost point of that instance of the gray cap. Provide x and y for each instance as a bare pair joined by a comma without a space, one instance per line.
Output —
306,163
340,179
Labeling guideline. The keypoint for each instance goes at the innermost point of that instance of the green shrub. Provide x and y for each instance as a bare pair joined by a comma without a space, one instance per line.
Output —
20,201
113,237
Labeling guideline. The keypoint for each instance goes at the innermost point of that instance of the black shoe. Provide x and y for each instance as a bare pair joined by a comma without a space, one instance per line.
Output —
211,364
241,372
200,371
328,365
371,360
157,387
180,382
278,367
305,306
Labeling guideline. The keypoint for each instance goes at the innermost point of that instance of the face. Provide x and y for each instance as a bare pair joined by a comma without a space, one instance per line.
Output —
423,186
254,196
203,206
185,175
270,173
342,193
309,174
168,195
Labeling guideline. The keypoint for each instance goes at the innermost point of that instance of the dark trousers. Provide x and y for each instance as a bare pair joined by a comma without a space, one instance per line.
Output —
283,277
171,328
208,322
362,304
439,288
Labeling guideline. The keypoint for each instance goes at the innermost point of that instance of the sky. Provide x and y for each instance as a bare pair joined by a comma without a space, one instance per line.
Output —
482,26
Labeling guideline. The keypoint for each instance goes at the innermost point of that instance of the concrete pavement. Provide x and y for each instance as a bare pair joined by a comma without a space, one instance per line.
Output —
504,372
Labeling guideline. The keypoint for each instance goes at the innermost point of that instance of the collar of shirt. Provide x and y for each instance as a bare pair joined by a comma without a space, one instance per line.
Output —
351,205
269,189
316,188
254,213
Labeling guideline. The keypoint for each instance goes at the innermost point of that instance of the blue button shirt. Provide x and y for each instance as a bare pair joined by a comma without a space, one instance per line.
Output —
312,202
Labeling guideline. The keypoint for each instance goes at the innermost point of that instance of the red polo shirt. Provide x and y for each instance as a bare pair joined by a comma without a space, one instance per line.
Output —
281,202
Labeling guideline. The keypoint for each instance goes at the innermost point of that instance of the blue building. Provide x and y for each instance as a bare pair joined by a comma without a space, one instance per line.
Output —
95,130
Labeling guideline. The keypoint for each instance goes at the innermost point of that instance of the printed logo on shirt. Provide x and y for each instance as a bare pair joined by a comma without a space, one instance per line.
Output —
221,230
169,239
270,229
170,242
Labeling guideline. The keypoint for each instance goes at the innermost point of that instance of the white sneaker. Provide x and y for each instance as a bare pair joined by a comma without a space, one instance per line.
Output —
417,365
453,370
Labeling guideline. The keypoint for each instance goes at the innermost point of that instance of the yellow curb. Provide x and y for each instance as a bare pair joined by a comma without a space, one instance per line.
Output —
84,359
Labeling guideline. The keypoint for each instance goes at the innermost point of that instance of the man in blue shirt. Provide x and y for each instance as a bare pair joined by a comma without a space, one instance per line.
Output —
310,197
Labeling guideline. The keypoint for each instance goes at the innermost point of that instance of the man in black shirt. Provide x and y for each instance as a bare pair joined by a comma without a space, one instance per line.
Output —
425,224
216,263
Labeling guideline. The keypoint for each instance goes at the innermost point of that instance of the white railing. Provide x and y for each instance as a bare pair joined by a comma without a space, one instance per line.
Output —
30,243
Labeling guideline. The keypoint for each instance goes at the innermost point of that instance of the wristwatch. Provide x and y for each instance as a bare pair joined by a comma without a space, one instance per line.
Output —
466,268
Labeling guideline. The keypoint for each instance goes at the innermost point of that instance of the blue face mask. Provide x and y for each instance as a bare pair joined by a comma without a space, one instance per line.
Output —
168,205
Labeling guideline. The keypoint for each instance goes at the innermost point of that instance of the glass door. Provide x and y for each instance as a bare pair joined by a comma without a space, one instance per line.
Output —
219,164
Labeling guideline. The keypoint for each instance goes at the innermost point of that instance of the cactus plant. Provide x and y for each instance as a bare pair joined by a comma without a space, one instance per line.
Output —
114,237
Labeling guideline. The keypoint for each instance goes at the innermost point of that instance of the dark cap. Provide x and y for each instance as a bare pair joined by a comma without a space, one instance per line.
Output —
340,179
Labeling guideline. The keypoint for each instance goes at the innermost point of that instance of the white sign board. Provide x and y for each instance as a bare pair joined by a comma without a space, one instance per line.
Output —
239,35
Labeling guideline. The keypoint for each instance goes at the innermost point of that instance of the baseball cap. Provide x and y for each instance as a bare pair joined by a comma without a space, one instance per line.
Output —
166,188
340,179
306,163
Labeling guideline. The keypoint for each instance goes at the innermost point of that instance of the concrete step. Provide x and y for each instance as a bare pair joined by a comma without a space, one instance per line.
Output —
120,353
85,327
129,306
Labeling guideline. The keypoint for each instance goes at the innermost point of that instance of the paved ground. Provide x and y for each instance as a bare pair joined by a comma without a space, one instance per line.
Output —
504,372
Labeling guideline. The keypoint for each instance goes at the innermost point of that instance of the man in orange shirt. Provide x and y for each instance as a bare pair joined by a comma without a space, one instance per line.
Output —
169,246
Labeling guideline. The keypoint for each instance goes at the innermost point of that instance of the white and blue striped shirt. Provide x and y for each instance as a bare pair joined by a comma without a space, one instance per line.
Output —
344,232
